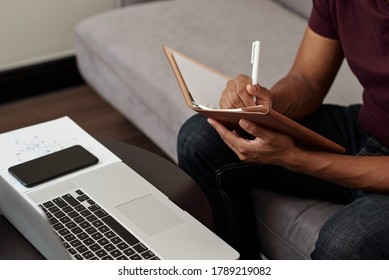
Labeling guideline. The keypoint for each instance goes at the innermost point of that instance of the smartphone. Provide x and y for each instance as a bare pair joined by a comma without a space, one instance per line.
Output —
53,165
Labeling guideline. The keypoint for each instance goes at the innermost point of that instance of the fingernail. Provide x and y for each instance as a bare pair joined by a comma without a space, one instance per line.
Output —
243,123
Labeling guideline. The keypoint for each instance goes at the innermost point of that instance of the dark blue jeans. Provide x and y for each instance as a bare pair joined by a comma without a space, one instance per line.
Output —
358,231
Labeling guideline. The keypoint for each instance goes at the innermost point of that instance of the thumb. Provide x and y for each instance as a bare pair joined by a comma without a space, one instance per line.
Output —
262,94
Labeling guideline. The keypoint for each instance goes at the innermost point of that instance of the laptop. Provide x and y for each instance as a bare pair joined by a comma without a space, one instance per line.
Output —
109,212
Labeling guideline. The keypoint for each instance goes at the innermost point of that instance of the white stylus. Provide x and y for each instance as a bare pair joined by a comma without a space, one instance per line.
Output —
256,47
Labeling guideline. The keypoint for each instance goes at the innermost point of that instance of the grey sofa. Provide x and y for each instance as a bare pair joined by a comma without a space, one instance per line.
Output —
119,54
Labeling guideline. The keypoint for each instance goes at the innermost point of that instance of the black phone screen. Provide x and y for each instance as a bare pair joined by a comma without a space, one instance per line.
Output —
53,165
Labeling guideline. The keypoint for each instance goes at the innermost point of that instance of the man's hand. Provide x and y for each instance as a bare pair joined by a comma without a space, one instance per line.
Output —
268,147
240,93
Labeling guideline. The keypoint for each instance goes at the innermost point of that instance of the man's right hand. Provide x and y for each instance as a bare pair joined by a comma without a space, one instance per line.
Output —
240,93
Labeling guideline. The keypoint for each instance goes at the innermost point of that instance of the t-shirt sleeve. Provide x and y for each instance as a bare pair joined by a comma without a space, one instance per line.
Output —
322,20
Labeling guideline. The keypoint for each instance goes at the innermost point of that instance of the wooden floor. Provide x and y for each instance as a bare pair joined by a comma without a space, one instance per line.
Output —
82,105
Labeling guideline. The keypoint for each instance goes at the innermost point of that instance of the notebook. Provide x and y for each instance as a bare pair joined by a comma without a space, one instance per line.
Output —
106,212
201,87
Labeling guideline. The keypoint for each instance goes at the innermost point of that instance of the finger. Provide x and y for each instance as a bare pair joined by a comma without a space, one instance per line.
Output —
229,137
235,94
262,94
252,128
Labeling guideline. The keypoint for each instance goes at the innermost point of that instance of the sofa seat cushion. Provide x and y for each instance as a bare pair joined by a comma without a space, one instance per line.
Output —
288,226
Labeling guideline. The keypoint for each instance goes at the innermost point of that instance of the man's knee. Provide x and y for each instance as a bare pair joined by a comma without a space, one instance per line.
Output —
358,231
197,138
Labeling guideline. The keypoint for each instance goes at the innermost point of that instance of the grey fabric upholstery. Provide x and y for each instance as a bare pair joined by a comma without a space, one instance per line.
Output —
120,54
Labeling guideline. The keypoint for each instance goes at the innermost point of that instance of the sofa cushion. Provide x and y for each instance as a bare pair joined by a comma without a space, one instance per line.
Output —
288,226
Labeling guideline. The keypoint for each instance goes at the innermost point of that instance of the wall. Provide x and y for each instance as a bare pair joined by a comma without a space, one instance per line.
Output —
35,31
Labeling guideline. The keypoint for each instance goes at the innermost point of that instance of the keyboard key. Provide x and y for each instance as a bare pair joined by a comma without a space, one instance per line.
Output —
53,221
79,208
129,251
69,237
81,249
70,225
95,247
91,218
103,241
135,257
64,231
85,213
140,248
72,251
58,226
91,202
82,198
71,200
94,207
76,230
79,192
110,234
65,219
60,202
76,243
79,219
48,204
101,253
116,254
148,255
101,213
84,224
82,236
88,255
117,240
67,209
59,214
73,214
120,230
109,247
103,229
97,223
53,209
97,236
89,241
91,230
122,246
78,257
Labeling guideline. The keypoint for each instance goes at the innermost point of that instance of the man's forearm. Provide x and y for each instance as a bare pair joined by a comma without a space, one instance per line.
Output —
368,173
295,97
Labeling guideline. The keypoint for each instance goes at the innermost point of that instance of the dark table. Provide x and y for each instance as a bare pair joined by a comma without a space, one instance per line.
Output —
163,174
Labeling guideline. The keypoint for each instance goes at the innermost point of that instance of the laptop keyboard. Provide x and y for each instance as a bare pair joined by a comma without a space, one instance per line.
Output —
89,232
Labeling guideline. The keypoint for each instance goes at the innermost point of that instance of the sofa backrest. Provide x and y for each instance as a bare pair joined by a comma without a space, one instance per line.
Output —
301,7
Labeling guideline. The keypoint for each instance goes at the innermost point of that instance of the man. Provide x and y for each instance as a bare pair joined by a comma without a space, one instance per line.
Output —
223,162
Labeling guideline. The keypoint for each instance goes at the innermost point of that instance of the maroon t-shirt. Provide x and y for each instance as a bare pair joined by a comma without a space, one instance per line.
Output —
362,27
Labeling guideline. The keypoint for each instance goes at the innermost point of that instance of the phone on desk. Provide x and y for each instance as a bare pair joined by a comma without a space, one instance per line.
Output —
53,165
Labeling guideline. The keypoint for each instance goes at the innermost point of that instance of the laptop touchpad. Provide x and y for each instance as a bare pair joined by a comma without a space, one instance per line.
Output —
150,214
